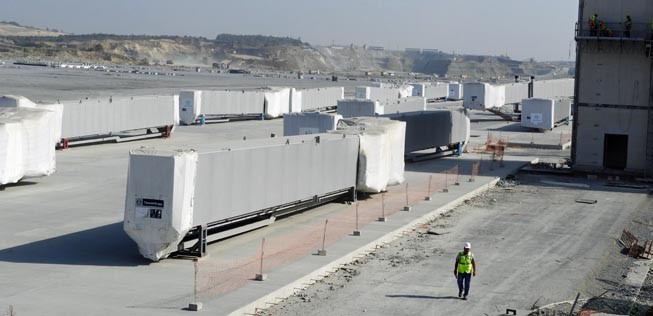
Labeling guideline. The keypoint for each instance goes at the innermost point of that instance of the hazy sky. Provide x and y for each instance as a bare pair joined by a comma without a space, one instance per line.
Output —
542,29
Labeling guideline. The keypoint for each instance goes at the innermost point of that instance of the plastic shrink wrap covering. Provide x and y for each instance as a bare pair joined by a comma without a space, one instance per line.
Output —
175,101
319,98
481,96
27,136
406,91
13,149
277,102
296,104
159,201
410,104
434,128
381,159
190,103
309,123
419,89
455,91
437,90
358,108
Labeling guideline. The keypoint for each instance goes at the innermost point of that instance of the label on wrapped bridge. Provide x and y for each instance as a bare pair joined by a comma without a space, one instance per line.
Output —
149,202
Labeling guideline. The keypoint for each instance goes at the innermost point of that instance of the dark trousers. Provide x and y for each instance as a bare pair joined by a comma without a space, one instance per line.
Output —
464,279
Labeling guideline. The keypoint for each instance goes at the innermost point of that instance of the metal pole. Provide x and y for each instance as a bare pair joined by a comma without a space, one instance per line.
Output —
406,193
326,222
356,232
428,194
574,306
457,174
195,282
262,253
383,205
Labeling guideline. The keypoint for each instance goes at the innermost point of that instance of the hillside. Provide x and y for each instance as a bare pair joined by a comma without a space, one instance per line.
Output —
259,52
15,29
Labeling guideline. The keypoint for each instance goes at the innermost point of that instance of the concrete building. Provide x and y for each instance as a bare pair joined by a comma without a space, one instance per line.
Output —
613,123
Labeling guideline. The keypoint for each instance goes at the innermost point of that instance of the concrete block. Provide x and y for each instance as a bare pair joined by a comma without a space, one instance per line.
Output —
383,219
406,208
356,233
428,198
261,277
322,252
445,190
195,307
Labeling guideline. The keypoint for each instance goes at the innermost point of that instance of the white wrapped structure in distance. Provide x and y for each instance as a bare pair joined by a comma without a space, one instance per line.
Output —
544,114
434,129
222,103
277,102
516,92
107,116
27,143
552,89
306,123
437,90
317,98
455,91
482,96
233,183
366,108
381,152
383,93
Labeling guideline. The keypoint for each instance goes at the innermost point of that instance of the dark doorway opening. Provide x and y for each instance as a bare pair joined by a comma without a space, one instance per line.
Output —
615,151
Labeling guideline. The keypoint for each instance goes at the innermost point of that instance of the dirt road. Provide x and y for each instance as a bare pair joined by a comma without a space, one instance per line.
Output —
533,243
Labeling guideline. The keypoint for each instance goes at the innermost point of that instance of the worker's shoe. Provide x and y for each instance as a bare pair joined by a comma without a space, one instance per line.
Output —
465,298
460,293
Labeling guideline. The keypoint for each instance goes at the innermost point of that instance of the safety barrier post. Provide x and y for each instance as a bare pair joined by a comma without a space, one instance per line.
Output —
357,232
473,171
383,218
428,194
457,175
260,276
195,305
407,207
323,252
446,181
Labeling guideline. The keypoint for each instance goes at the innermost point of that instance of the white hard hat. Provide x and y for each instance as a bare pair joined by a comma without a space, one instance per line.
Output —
468,245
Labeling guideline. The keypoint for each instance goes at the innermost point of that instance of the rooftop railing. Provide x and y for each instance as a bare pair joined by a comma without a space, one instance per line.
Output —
637,32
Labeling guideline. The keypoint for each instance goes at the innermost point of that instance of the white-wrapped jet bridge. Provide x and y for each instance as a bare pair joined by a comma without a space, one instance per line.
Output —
178,198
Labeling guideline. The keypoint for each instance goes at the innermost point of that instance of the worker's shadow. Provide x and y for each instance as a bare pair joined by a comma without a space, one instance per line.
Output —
101,246
423,297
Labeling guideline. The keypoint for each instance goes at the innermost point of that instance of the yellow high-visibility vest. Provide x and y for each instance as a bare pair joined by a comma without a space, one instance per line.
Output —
465,262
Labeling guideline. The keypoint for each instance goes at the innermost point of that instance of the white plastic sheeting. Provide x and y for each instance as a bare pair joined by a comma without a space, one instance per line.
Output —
366,108
411,104
159,202
419,89
309,123
381,152
358,107
383,93
168,193
481,96
318,98
516,92
437,90
455,91
221,103
27,143
544,113
295,101
92,117
277,102
552,89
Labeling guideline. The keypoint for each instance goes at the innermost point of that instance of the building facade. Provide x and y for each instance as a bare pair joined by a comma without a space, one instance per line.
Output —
613,117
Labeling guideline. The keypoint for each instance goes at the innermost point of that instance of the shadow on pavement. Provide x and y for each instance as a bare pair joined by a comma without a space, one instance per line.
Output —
101,246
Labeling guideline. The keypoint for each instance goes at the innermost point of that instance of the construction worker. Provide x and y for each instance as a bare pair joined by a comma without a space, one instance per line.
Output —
593,24
628,26
464,269
604,30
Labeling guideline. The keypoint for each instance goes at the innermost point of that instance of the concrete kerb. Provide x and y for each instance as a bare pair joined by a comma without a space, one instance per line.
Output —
541,146
302,283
